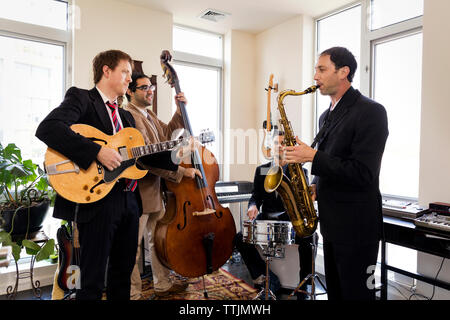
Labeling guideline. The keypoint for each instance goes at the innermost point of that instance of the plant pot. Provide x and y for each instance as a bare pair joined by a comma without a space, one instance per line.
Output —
37,216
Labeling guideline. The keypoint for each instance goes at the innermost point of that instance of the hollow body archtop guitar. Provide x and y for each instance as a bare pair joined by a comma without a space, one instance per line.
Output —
87,186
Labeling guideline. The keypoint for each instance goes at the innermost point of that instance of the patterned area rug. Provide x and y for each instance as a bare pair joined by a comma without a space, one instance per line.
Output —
220,285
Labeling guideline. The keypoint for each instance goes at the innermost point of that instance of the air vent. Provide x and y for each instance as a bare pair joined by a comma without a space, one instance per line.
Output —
213,15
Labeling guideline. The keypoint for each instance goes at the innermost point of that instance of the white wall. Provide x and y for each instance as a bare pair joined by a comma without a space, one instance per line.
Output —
240,138
435,132
279,51
142,33
286,50
283,50
248,61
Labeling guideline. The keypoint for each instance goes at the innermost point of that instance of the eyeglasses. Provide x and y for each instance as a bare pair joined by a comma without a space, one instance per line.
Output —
146,87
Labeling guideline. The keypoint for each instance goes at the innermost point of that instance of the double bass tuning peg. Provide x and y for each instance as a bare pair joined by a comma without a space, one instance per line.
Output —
274,88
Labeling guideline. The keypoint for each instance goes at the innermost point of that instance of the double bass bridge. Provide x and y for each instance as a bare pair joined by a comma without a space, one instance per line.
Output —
205,212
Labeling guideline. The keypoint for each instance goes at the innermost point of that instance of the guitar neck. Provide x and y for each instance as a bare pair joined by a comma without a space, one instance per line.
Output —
154,148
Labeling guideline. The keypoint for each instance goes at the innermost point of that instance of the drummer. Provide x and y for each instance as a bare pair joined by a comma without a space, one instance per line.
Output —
269,206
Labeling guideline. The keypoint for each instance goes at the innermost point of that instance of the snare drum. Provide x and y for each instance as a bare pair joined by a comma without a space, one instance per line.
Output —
268,232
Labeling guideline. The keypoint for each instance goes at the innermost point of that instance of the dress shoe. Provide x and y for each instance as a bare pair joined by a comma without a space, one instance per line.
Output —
176,287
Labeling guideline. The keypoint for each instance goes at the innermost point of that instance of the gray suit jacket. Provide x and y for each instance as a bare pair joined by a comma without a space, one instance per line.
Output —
150,185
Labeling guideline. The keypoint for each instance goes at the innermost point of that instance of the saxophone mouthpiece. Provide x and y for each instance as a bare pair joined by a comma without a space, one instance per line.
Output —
312,89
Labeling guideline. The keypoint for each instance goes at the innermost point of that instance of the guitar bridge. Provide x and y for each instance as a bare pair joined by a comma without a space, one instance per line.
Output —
52,169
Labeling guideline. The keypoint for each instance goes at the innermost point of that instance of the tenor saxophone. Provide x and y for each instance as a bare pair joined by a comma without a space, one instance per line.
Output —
294,191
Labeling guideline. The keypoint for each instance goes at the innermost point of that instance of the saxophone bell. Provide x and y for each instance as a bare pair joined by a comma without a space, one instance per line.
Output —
273,179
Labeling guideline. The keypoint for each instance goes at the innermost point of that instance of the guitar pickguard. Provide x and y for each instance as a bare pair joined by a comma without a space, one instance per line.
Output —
110,176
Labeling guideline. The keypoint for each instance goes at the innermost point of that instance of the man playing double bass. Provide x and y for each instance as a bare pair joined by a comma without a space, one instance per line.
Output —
140,96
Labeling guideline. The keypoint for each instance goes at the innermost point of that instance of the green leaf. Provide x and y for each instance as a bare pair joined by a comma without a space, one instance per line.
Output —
46,251
42,184
12,151
31,247
5,238
16,251
17,170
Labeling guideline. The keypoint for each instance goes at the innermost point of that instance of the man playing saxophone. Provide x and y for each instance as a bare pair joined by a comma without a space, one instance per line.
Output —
346,166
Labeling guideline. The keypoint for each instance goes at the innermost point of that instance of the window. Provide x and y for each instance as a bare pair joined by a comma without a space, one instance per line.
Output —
198,62
203,100
333,31
32,85
35,42
402,100
47,13
197,42
388,12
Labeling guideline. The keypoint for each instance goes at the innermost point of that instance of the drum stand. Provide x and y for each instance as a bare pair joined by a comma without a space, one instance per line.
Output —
269,253
313,275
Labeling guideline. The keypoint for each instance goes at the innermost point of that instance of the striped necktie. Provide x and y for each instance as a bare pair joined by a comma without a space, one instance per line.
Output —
130,184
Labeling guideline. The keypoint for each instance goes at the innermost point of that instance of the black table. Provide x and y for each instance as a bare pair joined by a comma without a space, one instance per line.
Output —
404,233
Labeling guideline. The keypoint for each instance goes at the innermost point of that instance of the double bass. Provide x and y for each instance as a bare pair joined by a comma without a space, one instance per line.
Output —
195,236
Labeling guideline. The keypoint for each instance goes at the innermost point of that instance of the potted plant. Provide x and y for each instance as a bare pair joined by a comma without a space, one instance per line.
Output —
25,197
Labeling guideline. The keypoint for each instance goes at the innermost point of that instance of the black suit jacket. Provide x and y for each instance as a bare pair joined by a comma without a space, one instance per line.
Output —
347,167
86,107
264,201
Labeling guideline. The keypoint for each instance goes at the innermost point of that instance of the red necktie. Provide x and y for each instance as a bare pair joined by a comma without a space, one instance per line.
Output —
131,184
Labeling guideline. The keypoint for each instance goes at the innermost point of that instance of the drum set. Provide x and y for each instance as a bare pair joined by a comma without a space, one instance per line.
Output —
273,236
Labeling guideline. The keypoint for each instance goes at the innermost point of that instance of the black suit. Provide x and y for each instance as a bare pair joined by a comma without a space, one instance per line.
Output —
346,169
267,204
108,228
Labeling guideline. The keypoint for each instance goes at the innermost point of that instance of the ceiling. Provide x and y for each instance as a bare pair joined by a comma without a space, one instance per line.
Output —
252,16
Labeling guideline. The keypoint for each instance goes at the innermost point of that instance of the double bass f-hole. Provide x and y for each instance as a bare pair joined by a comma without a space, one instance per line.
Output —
210,200
187,203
